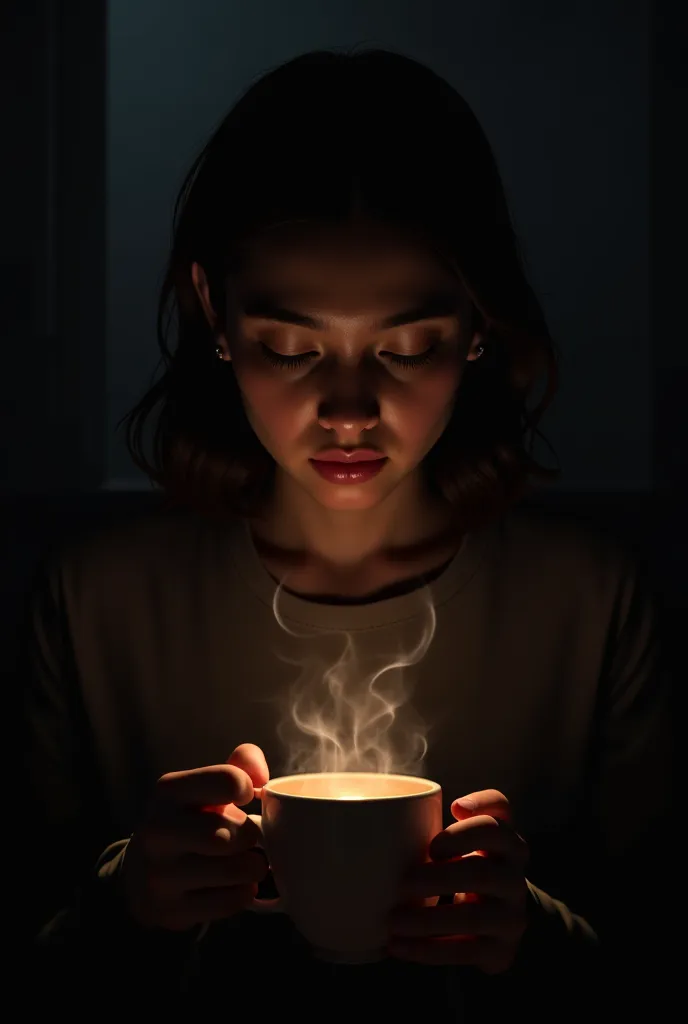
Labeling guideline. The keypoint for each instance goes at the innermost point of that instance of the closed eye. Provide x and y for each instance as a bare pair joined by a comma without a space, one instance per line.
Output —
411,362
303,358
286,362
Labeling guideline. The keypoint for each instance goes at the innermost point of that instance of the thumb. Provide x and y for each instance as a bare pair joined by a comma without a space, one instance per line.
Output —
251,760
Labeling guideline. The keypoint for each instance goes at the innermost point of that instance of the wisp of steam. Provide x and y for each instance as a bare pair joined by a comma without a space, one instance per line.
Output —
346,716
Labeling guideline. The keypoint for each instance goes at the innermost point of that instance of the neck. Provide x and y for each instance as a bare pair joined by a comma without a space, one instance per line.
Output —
408,520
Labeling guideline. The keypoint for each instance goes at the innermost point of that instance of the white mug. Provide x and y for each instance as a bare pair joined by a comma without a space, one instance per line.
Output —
339,844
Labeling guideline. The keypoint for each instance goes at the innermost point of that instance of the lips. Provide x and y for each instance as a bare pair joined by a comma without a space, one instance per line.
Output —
349,470
348,456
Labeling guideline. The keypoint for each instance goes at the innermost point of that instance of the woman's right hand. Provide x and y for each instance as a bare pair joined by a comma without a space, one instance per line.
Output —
194,859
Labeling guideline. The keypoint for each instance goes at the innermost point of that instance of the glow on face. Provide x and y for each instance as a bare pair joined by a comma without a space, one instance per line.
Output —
347,342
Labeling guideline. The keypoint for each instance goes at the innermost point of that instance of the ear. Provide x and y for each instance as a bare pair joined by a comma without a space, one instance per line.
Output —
202,289
476,342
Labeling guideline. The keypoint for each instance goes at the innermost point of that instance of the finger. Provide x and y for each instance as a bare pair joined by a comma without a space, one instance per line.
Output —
490,918
489,955
486,801
202,906
213,786
480,875
251,759
207,834
192,873
479,833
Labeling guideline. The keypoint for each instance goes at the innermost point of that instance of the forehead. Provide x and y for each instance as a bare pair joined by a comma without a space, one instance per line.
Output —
348,263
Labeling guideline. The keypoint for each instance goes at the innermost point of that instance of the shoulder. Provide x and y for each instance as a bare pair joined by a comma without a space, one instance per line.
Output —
560,553
149,548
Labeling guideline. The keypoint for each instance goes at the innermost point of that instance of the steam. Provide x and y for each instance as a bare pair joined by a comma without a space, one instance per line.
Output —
345,716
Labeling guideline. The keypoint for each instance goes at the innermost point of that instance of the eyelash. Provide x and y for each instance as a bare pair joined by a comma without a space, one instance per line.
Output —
294,362
285,362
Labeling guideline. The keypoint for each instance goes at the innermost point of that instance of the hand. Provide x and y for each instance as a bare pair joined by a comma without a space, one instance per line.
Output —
194,859
480,860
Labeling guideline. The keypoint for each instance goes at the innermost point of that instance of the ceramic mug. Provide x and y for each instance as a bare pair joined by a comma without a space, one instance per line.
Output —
339,844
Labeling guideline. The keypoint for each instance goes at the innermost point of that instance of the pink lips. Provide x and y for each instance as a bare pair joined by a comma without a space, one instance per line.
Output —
351,455
338,466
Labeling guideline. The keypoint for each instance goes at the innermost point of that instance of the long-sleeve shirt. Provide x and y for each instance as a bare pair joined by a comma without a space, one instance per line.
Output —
530,665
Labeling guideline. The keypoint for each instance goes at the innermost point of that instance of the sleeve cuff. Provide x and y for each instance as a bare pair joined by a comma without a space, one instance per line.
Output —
99,913
555,939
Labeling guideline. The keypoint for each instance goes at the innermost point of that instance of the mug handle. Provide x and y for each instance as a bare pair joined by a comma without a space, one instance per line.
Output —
272,906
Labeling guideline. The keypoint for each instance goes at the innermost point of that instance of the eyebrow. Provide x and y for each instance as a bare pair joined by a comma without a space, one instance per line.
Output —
429,307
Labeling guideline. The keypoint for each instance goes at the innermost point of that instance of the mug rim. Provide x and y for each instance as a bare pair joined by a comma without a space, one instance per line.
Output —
432,787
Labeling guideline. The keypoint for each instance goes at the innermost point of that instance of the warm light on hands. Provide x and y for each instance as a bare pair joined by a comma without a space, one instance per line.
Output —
194,859
481,860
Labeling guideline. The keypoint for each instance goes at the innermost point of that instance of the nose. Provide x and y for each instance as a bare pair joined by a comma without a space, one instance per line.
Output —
348,409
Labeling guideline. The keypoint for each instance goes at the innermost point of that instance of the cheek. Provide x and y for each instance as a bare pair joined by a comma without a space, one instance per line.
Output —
421,411
276,411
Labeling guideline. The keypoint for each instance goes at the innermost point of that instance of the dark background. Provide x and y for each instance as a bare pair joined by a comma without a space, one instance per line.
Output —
101,112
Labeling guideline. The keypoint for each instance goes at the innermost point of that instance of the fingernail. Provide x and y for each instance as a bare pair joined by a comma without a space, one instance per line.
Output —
467,803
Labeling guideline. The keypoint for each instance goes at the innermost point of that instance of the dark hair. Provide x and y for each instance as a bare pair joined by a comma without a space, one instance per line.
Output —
312,140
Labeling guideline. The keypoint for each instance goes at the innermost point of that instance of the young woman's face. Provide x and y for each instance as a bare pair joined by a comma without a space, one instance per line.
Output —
345,341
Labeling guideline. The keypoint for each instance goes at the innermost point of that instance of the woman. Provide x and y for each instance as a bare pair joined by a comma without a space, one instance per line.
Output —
343,428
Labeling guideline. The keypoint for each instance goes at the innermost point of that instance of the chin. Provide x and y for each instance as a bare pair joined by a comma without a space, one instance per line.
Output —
348,497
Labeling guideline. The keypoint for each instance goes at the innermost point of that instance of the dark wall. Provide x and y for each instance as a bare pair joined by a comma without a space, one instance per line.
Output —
669,264
52,280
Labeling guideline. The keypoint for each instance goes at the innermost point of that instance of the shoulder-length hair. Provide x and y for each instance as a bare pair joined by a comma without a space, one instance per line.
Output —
308,142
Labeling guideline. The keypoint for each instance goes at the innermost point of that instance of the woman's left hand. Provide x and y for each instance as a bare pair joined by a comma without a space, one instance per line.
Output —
481,860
